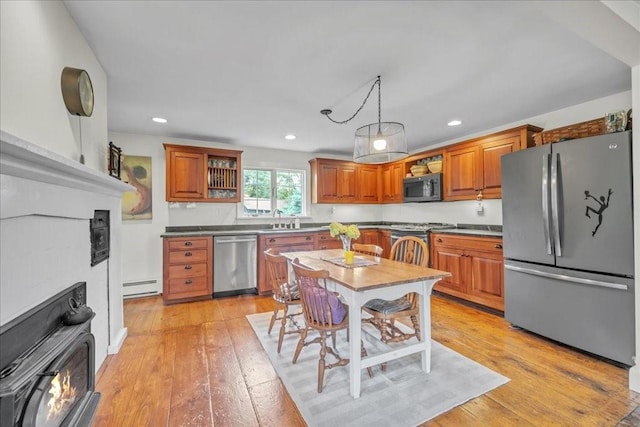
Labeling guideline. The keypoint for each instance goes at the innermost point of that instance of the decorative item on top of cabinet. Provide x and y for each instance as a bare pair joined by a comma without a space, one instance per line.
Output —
473,166
576,130
187,269
201,174
476,266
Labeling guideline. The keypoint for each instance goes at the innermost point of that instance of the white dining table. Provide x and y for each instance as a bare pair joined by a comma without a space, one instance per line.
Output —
382,278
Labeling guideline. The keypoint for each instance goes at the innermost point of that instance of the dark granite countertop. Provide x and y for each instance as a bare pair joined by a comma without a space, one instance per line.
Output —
474,230
262,229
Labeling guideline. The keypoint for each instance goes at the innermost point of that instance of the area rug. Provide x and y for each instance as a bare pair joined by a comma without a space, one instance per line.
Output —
401,396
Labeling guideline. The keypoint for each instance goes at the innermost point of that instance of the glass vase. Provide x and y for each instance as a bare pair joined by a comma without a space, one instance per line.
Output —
346,245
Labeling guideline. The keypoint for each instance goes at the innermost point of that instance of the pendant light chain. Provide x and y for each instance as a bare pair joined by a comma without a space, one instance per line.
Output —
379,102
377,82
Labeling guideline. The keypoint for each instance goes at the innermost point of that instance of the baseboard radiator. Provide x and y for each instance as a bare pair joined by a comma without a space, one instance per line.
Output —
142,288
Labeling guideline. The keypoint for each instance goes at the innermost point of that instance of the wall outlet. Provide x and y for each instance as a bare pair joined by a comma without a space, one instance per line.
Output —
479,208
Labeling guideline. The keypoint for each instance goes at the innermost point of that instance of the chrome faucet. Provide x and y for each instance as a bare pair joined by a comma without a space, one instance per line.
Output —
279,212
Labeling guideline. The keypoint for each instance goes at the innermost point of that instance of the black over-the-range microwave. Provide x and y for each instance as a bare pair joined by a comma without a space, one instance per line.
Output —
424,188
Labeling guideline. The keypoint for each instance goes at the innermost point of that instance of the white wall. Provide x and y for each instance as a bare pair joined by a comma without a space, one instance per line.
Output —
37,40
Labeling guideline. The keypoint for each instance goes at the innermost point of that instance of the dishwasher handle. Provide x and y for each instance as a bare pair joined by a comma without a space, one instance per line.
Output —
234,240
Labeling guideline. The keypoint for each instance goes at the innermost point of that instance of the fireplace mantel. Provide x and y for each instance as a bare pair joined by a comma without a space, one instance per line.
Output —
21,159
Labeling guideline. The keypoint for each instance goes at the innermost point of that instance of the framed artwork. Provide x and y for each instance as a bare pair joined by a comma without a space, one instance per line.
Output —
136,171
115,156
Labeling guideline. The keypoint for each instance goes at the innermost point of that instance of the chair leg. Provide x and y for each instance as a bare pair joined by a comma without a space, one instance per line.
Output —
303,336
416,326
363,353
273,318
283,327
333,338
321,362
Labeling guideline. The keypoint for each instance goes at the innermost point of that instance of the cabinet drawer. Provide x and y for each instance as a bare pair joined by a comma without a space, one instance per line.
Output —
271,241
195,286
464,242
188,243
326,236
182,271
188,256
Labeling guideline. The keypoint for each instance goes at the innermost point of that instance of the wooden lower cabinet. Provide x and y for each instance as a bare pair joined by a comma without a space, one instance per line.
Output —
476,266
282,243
187,269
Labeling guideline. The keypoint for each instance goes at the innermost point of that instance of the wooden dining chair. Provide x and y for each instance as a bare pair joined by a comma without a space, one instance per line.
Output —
285,295
411,250
373,250
324,312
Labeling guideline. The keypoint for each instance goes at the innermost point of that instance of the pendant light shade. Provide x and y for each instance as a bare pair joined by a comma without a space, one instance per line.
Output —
386,145
379,142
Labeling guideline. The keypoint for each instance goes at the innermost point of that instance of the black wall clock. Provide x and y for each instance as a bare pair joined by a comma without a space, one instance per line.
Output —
77,91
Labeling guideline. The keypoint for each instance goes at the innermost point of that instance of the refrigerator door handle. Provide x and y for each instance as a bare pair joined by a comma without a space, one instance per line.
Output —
566,278
545,202
555,205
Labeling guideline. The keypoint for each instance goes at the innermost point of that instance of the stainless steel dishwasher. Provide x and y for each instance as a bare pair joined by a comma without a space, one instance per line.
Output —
235,265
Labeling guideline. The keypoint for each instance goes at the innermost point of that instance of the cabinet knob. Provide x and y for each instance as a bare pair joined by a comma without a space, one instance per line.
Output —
188,243
439,240
272,240
188,282
188,254
498,246
187,267
309,238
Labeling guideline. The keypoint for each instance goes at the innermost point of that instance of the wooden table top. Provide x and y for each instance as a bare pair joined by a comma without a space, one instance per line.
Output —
385,273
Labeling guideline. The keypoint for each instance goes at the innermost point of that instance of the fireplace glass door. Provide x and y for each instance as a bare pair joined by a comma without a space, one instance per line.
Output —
61,388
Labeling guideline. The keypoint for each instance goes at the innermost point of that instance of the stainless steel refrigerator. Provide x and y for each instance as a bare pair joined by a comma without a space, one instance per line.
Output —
568,243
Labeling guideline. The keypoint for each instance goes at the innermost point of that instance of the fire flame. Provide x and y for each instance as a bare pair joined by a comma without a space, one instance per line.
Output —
62,394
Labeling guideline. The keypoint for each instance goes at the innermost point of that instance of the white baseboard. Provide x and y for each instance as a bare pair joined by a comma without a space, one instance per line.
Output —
634,378
143,288
118,341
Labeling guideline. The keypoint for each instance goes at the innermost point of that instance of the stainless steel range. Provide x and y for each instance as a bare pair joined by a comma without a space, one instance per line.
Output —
420,231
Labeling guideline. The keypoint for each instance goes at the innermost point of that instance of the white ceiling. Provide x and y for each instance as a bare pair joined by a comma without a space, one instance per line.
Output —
248,73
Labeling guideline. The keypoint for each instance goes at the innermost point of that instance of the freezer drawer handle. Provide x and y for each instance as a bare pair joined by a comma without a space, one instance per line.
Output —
566,278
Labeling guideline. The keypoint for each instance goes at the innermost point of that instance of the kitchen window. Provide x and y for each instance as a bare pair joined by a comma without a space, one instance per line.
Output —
268,190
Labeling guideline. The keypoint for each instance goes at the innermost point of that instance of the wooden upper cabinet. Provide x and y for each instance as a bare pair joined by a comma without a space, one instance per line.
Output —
186,181
338,181
462,172
391,175
490,154
201,174
474,166
368,187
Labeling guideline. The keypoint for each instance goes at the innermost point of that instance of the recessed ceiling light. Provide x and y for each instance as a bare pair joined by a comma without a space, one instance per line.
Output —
290,137
159,120
454,123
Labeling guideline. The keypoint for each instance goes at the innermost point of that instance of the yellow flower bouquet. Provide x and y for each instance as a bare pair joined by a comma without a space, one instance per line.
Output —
345,233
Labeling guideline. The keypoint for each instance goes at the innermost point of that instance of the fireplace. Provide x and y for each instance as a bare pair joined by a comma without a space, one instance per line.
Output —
47,375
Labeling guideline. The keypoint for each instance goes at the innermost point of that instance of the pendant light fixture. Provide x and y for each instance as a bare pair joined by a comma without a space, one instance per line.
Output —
379,142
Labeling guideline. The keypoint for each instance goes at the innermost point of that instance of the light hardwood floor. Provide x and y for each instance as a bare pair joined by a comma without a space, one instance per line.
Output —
200,364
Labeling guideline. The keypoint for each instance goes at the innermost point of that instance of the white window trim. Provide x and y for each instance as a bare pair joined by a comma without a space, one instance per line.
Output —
240,215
